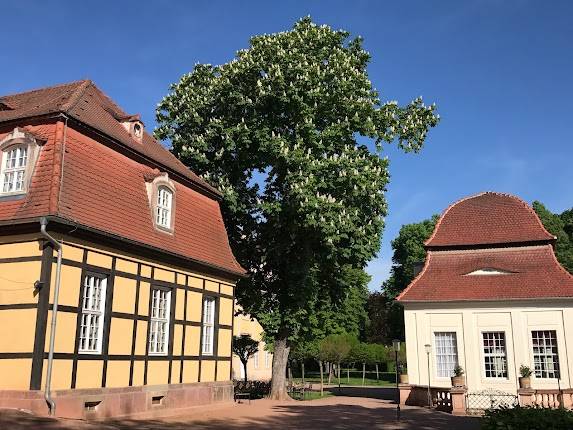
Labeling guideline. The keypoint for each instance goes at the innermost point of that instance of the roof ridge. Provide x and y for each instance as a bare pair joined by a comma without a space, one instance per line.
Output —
51,87
483,193
76,95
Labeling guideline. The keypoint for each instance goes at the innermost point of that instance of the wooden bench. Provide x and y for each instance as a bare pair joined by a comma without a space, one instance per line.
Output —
239,396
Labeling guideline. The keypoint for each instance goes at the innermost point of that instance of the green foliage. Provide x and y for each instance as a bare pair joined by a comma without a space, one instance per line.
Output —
561,226
458,370
276,130
525,371
408,251
527,418
336,347
359,353
386,316
304,350
244,347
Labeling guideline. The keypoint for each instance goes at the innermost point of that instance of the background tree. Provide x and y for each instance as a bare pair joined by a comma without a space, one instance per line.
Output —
303,351
276,130
385,315
244,347
359,354
560,225
336,348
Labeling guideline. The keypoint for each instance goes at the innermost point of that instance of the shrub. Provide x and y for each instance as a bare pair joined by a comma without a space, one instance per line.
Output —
458,370
528,418
525,371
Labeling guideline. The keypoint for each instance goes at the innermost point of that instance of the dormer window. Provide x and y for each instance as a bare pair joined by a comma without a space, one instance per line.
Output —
164,206
161,193
19,151
133,125
14,169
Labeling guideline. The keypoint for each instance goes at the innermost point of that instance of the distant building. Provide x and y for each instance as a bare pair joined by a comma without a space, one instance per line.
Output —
260,366
145,312
491,297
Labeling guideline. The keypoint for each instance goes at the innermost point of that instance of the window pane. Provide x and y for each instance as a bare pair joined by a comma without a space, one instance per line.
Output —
446,354
208,325
545,354
163,209
159,322
93,307
495,358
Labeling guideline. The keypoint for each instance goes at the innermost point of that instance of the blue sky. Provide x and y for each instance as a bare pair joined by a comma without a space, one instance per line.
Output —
501,73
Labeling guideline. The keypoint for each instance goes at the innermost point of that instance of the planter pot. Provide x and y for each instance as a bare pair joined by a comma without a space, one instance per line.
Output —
458,381
525,382
403,379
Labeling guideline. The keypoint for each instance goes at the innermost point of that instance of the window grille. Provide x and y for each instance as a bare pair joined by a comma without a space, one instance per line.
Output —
159,321
446,354
164,204
208,325
545,354
14,169
93,309
256,360
267,359
494,352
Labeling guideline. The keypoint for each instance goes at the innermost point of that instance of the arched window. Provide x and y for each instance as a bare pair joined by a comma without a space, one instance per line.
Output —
164,207
18,153
14,161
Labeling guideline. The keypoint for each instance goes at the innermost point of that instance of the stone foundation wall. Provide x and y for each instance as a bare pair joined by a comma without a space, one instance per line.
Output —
101,403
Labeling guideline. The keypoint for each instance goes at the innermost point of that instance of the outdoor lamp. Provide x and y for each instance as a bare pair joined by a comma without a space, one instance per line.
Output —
396,347
428,348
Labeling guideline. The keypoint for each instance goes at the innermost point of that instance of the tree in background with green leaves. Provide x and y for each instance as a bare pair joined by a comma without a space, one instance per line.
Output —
275,130
386,316
561,226
244,347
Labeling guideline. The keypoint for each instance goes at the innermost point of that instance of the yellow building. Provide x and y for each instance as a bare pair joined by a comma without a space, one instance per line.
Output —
100,220
259,366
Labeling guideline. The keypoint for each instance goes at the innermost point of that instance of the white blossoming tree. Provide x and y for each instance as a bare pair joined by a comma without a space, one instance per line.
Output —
276,130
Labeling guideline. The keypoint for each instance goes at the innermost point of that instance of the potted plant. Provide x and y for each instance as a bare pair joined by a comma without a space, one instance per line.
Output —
458,380
525,378
403,374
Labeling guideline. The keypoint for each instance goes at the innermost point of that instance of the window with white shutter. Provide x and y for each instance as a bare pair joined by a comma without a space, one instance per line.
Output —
159,321
93,310
208,325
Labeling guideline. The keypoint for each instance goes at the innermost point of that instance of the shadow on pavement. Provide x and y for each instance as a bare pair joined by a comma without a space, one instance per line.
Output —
340,416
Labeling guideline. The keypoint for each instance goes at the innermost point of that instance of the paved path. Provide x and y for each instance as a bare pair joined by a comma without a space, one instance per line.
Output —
332,413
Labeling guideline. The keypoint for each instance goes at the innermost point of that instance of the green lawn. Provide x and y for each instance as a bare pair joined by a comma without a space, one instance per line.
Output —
385,379
315,395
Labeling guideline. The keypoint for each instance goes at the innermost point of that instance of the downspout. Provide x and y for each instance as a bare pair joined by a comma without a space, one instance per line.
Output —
58,246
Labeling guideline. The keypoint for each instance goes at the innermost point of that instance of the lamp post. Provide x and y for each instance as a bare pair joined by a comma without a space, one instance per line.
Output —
428,348
396,347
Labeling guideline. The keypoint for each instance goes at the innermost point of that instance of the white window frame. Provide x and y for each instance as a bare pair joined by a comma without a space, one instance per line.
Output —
164,207
208,325
17,170
256,358
93,314
267,360
538,371
443,351
159,321
498,356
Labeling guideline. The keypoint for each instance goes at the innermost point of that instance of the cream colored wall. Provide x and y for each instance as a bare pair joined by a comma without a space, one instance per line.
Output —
516,319
263,371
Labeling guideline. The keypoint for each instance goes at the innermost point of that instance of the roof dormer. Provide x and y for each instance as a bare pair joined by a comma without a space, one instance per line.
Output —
134,126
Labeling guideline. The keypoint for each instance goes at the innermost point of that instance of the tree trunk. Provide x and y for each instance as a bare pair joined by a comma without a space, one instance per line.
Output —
302,370
338,369
348,374
245,367
321,378
329,372
363,373
280,361
377,377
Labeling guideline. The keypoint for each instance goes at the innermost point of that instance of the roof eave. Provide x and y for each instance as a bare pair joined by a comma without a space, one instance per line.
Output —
85,232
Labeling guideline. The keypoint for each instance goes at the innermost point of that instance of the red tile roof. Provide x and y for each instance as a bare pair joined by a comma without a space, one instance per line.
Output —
83,101
500,237
105,189
488,219
533,273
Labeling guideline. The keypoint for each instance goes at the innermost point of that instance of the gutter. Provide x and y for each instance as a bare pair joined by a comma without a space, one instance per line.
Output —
58,246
